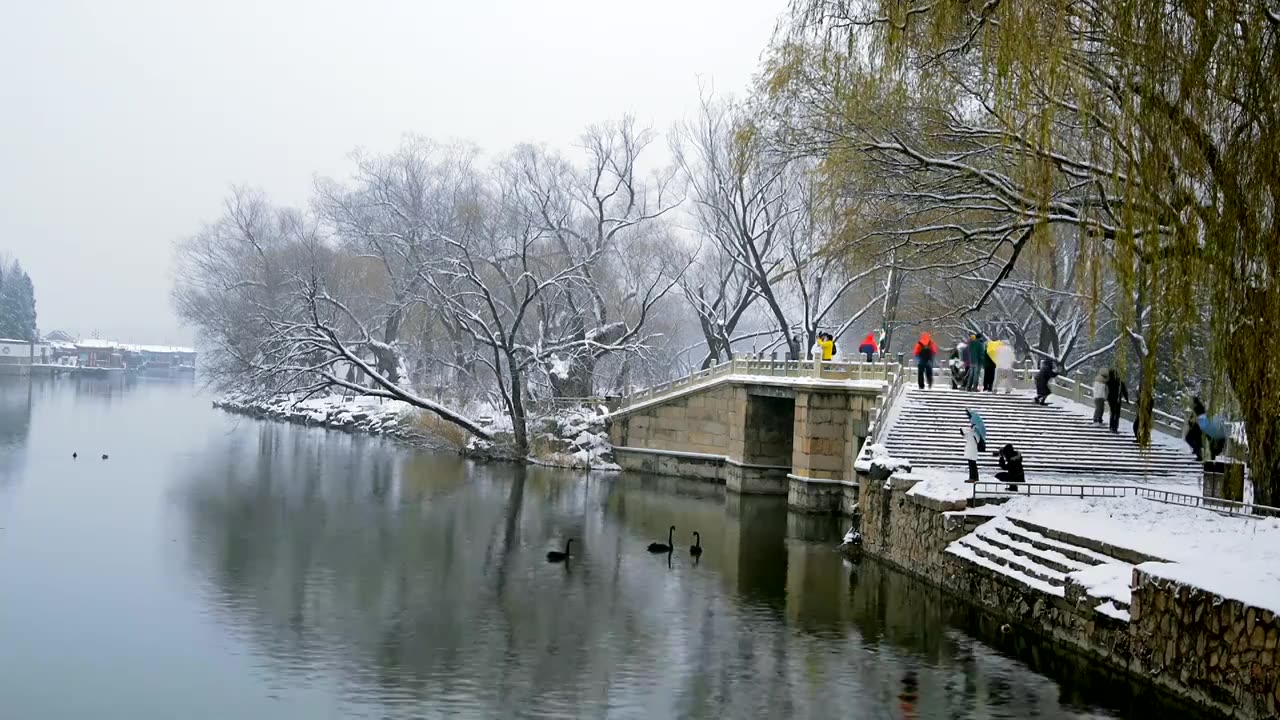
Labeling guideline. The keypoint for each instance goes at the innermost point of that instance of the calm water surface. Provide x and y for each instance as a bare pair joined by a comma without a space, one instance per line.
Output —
218,567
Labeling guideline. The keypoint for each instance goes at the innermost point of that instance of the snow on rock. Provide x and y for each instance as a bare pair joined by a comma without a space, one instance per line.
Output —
945,490
573,437
877,457
1115,611
359,413
1108,580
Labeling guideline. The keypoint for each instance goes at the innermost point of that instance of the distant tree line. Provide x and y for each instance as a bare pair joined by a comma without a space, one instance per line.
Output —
17,303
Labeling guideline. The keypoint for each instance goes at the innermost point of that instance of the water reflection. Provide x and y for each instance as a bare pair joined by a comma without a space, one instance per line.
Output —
15,423
219,567
421,582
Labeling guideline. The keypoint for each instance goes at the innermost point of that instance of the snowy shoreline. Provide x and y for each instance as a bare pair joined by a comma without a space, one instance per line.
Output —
573,438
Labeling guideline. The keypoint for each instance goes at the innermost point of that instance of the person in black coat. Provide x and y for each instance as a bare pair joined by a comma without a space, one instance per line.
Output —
1116,392
1043,378
1010,466
988,371
977,360
1194,437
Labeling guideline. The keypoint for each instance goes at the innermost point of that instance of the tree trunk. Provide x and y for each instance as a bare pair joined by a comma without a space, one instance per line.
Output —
389,363
519,424
1255,381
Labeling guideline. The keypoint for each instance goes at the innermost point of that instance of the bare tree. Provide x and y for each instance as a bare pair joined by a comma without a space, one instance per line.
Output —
272,299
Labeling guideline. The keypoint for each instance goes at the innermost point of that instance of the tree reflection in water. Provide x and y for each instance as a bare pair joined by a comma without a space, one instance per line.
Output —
422,580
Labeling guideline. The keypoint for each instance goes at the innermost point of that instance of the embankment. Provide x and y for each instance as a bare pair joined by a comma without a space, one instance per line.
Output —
1209,651
573,437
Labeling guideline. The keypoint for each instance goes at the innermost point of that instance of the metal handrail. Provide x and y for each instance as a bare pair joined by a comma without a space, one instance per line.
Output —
1169,497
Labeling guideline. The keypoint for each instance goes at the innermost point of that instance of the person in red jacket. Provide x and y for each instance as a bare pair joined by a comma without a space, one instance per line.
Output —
926,352
869,346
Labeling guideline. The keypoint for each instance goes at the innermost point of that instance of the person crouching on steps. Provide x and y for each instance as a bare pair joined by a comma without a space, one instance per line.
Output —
1010,466
971,449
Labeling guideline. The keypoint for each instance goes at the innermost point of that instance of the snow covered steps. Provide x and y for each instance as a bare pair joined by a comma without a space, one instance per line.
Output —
1026,556
1058,442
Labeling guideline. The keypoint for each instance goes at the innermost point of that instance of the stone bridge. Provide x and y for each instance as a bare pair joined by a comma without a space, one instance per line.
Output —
767,427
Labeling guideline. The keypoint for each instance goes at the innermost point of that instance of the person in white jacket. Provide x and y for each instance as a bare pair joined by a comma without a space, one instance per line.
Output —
1099,396
971,449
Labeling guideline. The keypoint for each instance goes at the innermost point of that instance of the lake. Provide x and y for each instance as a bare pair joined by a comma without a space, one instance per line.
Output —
222,567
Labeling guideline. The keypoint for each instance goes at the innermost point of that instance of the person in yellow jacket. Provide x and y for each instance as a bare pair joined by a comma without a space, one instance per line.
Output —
828,346
1002,359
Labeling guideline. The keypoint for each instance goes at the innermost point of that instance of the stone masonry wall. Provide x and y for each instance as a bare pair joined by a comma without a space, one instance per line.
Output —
1201,648
709,422
1219,652
827,426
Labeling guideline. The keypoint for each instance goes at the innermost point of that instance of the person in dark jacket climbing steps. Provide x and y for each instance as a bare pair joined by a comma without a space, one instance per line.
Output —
926,352
1117,391
1043,378
977,360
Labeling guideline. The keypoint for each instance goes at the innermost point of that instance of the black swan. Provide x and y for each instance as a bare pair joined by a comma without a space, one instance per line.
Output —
557,556
659,547
696,549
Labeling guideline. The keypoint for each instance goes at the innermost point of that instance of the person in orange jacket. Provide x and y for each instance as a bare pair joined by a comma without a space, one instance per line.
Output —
869,346
926,352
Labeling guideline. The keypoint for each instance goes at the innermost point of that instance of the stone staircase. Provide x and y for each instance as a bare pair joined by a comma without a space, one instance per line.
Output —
1055,441
1084,572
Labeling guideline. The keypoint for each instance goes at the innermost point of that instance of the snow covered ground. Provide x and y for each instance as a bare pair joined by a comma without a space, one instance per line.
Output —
1234,557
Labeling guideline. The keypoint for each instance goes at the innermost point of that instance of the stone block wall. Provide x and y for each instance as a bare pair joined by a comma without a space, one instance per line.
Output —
1198,647
1219,652
827,428
695,467
709,422
755,479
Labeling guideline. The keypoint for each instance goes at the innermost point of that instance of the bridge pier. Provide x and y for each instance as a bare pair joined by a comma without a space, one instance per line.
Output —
829,430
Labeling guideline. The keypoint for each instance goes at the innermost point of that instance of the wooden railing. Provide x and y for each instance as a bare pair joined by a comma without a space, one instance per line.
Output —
762,367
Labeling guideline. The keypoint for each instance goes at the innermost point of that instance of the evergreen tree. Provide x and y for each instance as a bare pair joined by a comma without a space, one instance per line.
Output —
17,304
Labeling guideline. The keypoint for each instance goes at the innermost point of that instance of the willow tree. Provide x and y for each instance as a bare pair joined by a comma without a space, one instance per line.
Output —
1151,128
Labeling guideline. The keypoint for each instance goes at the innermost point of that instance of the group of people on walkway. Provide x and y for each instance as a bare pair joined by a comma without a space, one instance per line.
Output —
825,348
978,362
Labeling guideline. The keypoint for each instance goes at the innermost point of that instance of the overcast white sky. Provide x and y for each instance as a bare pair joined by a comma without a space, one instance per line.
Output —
123,123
